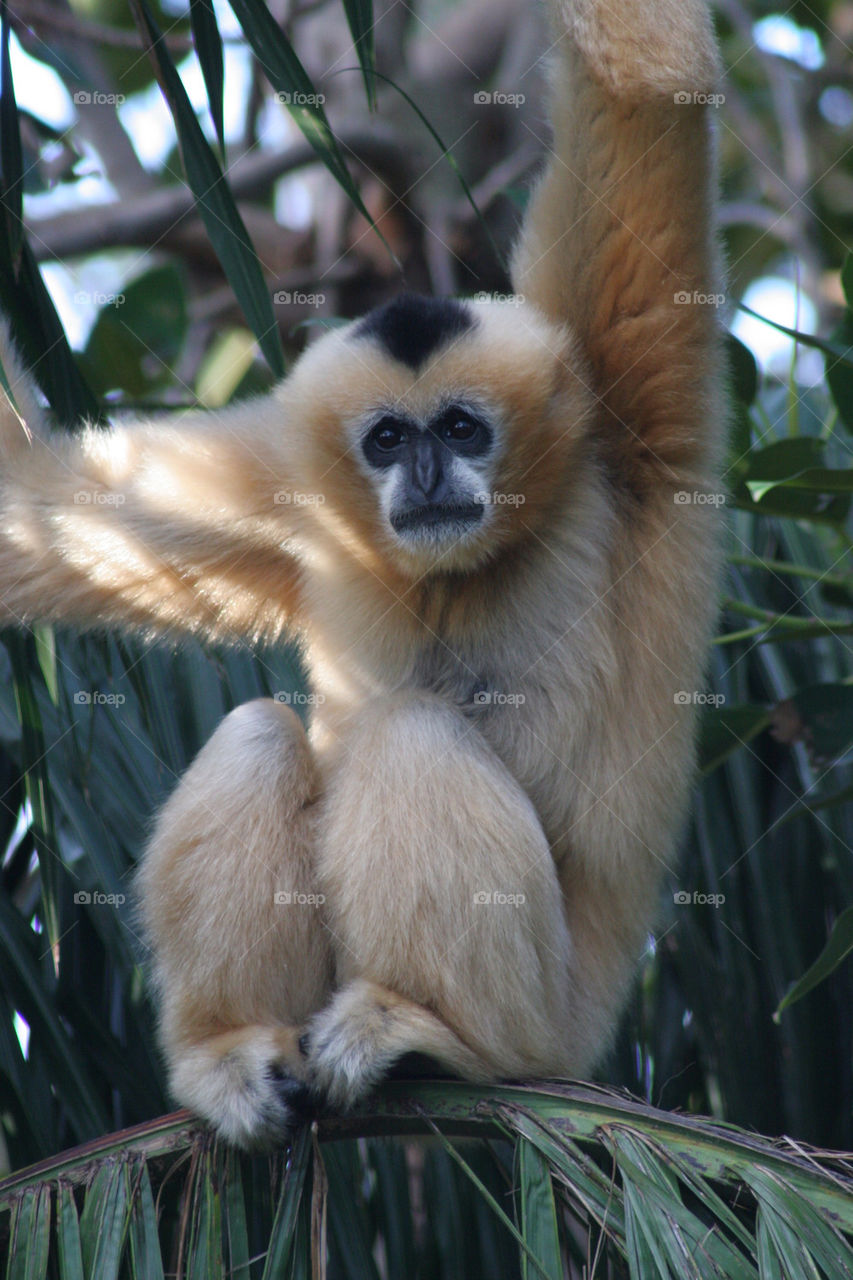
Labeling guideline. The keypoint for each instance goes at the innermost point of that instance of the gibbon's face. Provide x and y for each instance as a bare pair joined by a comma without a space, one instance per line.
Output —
440,430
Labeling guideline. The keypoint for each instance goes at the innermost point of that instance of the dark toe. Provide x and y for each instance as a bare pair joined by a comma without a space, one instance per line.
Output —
296,1094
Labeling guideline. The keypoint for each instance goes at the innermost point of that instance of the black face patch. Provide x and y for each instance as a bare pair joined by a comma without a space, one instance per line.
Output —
412,327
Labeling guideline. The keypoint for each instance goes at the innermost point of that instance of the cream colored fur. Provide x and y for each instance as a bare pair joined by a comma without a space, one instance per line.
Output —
431,872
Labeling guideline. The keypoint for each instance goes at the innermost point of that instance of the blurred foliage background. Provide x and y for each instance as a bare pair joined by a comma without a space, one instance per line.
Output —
127,289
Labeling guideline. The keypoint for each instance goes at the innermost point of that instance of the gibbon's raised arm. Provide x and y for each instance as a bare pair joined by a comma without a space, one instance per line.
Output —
618,238
177,525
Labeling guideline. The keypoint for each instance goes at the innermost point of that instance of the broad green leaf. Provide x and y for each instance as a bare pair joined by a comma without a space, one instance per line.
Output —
224,367
143,1237
847,278
813,479
838,351
37,331
837,949
208,47
215,203
204,1252
538,1212
294,1190
11,160
743,370
785,458
30,1235
350,1224
360,18
839,372
826,711
68,1236
138,334
104,1221
723,729
234,1216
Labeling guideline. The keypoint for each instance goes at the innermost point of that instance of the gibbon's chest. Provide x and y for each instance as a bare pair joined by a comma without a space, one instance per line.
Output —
518,658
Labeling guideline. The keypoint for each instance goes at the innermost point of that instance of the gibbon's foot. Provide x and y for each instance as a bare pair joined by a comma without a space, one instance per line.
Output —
367,1029
243,1083
295,1094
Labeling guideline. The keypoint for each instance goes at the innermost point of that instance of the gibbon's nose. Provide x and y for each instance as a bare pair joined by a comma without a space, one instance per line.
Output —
426,472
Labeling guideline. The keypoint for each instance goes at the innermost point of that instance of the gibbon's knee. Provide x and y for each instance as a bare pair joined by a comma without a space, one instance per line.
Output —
232,911
429,848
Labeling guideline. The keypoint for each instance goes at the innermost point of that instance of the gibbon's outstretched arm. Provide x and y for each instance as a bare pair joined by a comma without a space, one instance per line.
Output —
619,236
171,525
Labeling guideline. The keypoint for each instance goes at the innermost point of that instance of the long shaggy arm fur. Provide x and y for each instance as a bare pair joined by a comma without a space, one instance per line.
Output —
176,525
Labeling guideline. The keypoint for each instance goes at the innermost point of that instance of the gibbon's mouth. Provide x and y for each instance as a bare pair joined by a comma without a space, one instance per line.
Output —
432,515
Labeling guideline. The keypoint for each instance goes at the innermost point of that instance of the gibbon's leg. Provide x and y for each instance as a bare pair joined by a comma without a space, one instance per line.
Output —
229,902
443,899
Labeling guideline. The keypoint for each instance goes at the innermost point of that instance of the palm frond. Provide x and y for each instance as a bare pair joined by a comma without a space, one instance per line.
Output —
575,1174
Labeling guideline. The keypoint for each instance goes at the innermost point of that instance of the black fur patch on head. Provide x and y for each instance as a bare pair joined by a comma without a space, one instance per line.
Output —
412,327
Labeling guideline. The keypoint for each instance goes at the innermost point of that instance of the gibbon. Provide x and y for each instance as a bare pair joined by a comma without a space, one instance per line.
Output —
473,517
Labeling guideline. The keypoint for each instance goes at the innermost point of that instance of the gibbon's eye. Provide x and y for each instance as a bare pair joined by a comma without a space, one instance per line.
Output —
387,437
462,431
384,444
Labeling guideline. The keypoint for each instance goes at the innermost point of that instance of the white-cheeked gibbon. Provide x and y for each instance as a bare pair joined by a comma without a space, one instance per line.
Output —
499,596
